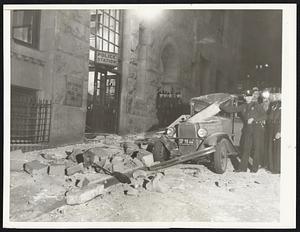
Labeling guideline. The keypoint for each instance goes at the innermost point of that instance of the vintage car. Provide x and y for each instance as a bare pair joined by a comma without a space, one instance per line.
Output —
209,133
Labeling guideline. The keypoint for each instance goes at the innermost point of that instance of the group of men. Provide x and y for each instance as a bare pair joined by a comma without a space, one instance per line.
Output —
261,115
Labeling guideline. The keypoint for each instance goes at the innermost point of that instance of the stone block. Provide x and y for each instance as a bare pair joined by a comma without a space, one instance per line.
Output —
57,170
74,169
36,168
147,159
82,182
75,197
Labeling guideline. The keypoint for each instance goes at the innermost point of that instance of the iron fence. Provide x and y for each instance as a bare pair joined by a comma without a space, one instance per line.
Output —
30,121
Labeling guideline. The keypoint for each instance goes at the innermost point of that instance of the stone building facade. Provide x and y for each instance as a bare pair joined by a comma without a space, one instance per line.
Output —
192,51
55,68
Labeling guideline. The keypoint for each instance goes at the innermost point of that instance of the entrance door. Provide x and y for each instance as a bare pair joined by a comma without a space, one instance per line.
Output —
103,108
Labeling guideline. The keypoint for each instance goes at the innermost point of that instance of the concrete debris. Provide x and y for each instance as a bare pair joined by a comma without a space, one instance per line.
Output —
17,160
156,185
48,156
82,182
36,168
74,169
57,170
75,197
139,174
138,163
129,148
95,155
138,182
130,191
146,158
74,154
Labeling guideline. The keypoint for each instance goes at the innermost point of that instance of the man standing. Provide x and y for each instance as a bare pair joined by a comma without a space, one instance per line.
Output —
273,133
254,117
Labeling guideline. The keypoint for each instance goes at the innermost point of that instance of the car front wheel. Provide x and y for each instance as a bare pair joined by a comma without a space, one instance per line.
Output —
220,157
160,152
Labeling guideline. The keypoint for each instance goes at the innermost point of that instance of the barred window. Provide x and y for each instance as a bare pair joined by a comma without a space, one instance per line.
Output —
25,27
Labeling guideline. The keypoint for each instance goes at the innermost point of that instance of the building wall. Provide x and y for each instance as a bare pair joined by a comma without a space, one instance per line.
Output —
195,47
262,44
58,70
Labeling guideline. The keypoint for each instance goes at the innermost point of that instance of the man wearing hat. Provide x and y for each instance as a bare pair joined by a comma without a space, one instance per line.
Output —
253,116
273,136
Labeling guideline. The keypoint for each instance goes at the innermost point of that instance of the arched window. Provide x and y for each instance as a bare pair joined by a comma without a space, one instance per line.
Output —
169,61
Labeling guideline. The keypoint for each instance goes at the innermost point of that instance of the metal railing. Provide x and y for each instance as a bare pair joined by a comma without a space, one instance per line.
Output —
30,121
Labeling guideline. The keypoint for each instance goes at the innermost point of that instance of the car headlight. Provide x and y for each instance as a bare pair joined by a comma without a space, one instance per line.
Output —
202,132
170,131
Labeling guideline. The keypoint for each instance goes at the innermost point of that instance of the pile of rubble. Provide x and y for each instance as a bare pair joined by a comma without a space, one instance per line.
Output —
86,173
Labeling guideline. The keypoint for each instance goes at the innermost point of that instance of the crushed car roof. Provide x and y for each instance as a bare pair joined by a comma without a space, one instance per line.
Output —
211,98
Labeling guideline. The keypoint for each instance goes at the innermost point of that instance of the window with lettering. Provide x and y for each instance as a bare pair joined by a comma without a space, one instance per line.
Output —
25,27
105,35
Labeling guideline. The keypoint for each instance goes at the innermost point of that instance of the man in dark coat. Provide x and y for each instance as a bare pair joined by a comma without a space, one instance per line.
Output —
254,117
273,134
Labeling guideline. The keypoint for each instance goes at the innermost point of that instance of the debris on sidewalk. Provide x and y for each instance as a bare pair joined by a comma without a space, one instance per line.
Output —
74,169
17,160
57,170
36,168
76,196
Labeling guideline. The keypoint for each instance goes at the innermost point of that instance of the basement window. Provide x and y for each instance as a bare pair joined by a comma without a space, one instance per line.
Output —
25,27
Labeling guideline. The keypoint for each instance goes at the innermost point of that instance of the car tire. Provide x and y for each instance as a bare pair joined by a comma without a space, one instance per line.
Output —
160,152
221,157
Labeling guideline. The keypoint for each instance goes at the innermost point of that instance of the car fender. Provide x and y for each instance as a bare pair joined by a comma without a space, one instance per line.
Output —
215,138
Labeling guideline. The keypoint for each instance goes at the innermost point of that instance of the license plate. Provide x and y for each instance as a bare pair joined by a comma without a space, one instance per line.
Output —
186,141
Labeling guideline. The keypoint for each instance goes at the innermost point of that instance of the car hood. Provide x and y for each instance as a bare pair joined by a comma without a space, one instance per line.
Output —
214,100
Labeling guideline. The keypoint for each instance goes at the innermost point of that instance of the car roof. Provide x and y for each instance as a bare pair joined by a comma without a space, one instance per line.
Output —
211,98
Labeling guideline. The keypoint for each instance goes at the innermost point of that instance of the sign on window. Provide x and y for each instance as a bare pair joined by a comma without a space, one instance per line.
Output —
107,58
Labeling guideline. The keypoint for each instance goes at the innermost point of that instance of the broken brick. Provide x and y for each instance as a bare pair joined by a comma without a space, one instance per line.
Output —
36,168
56,170
146,158
83,195
82,182
74,169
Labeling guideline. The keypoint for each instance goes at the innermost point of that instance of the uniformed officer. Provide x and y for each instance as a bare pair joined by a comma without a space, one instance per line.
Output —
254,117
273,138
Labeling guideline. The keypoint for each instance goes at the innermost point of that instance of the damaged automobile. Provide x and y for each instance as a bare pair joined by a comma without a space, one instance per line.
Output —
208,135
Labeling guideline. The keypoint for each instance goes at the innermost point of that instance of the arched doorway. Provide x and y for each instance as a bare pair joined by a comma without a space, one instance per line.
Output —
169,99
169,64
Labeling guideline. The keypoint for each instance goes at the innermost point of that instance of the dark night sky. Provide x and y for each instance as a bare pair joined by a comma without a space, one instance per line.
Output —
261,44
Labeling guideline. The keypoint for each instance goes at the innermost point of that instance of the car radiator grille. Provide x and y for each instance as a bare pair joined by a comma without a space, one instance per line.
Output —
185,131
